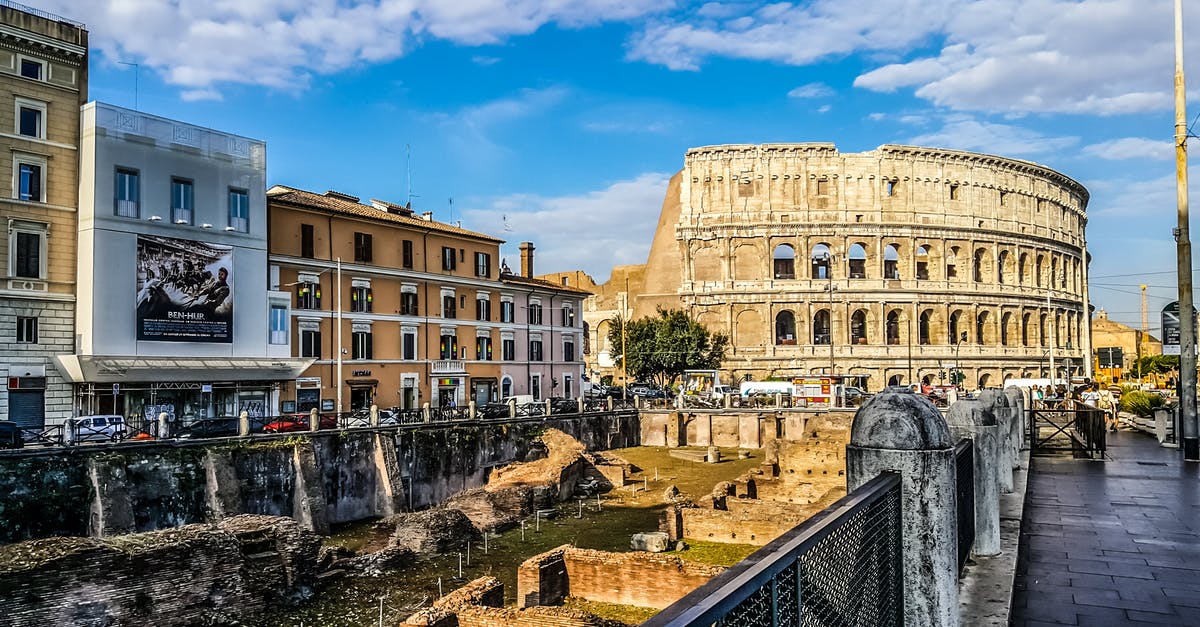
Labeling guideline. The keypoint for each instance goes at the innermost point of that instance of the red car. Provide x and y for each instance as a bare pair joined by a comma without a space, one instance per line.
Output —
299,422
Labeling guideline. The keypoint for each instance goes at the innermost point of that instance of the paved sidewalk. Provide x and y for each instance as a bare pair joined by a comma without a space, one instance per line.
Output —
1111,543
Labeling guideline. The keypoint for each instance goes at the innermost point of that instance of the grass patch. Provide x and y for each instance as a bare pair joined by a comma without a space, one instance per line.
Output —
716,553
627,614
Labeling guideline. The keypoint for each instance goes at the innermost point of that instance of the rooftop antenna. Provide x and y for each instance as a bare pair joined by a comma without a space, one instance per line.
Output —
136,70
450,203
408,176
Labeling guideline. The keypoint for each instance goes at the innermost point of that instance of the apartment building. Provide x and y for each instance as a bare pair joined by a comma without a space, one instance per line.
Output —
43,82
411,305
174,313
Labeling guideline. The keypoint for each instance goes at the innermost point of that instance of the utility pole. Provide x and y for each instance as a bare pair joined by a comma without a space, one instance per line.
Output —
1183,243
339,336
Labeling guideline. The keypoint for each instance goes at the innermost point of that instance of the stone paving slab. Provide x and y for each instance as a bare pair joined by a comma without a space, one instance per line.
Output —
1113,542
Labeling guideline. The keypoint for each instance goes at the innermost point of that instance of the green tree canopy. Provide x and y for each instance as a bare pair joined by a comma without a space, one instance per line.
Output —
1156,364
661,347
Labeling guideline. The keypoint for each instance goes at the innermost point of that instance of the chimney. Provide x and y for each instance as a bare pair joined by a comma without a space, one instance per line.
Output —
526,259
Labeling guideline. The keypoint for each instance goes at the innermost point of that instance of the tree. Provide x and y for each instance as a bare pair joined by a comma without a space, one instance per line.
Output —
661,347
1156,364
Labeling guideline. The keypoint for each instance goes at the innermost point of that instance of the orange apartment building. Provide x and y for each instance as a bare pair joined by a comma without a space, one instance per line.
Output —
420,303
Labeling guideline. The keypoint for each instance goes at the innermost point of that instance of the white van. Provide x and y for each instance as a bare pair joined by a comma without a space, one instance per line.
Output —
719,392
103,428
766,388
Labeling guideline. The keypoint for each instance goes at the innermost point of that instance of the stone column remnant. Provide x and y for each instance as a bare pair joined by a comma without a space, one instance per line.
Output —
899,431
997,402
1018,428
972,419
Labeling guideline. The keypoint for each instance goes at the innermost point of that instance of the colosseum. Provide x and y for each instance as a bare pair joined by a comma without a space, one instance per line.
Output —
898,265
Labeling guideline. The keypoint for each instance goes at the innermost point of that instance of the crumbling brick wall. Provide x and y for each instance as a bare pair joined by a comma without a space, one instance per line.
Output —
480,604
183,576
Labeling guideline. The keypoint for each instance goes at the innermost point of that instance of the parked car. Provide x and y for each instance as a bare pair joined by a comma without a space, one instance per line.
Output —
852,396
299,422
648,391
564,406
10,435
209,428
490,411
721,391
104,428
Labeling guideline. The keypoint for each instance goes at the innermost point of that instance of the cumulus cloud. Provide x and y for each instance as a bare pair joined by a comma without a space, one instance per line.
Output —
592,231
811,90
197,44
1132,148
963,132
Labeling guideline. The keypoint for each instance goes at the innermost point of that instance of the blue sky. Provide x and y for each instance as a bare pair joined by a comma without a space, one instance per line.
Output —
559,121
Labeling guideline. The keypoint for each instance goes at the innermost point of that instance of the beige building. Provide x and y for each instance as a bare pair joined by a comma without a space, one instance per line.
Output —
897,265
43,82
1134,343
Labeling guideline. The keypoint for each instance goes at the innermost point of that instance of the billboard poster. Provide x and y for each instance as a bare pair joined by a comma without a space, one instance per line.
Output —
184,290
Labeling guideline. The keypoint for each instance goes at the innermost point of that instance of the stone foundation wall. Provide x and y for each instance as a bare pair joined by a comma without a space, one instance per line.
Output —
480,603
195,574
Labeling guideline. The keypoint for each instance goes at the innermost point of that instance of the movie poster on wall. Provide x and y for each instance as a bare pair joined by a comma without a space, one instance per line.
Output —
184,290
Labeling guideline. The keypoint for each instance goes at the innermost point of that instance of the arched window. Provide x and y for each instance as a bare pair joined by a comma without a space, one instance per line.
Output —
785,328
587,338
821,256
821,327
1025,330
956,335
858,327
891,262
922,263
1001,266
893,327
923,328
896,380
984,379
1043,338
977,267
981,328
1022,263
785,262
1058,335
1037,270
1053,271
952,263
1005,320
856,263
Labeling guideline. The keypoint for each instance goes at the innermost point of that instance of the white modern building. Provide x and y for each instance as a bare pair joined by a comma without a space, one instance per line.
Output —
174,314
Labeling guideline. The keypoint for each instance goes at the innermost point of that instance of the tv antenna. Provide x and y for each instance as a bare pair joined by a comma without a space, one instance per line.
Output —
136,71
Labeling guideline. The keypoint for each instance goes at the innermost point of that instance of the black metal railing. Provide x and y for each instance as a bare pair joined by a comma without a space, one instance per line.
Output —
964,462
1068,425
840,567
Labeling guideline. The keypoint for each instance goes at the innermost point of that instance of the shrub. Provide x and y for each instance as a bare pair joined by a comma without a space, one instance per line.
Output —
1141,403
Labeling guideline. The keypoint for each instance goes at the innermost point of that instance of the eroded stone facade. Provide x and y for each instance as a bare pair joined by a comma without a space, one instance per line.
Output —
905,260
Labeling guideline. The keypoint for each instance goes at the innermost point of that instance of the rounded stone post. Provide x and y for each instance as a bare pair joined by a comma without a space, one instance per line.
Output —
1016,428
426,413
471,410
974,420
899,431
244,423
609,400
512,408
579,405
374,416
162,425
549,407
314,420
997,402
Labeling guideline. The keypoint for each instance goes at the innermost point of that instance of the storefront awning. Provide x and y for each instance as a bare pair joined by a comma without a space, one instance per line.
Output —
109,369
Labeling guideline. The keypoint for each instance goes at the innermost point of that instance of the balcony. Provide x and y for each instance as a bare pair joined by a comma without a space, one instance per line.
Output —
449,366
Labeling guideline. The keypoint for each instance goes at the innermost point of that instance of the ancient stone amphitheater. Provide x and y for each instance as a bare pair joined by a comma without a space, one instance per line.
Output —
897,265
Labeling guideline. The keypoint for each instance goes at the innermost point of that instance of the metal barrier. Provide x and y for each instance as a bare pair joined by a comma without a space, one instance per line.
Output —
964,461
840,567
1081,425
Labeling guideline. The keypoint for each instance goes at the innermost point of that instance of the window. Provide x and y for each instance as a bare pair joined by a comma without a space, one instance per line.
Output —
483,348
821,327
822,187
448,306
27,330
449,262
483,308
535,313
31,118
409,344
858,327
181,201
889,187
279,325
922,263
568,316
535,350
125,196
785,328
856,262
310,342
31,179
408,304
784,262
506,311
406,254
508,349
29,255
448,347
535,386
308,295
569,350
953,192
923,329
239,210
891,262
31,69
483,264
361,299
307,248
360,342
362,247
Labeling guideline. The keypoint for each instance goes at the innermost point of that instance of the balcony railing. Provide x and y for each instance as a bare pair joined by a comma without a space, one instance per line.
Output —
449,366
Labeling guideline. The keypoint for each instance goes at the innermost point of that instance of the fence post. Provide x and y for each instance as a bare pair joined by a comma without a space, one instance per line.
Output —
425,413
975,420
162,425
1016,427
471,410
548,407
579,402
244,423
512,408
374,419
997,402
610,403
897,430
314,420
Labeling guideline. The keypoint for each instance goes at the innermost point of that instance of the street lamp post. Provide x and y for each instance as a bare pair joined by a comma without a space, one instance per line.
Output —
339,335
835,399
957,366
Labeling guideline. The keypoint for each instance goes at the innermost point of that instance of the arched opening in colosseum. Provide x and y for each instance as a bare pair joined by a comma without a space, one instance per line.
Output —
603,328
957,334
895,380
821,256
1005,321
747,263
952,263
984,379
1022,267
785,262
1058,330
923,327
706,264
922,263
979,265
1001,266
892,327
856,262
821,327
891,262
1025,329
858,327
1038,265
1054,278
1043,338
981,327
748,329
785,328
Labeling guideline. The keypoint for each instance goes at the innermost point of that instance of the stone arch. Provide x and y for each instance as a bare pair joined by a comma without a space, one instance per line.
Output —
603,328
895,380
924,328
981,266
747,262
1039,266
922,269
1053,270
891,262
822,327
822,257
1002,266
1043,336
784,262
706,264
984,379
712,320
858,327
856,261
1025,318
955,328
1023,269
952,263
785,328
892,327
748,328
984,335
1005,328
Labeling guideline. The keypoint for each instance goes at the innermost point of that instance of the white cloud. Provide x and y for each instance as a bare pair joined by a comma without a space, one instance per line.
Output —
484,61
811,90
469,130
1132,148
592,231
197,44
962,132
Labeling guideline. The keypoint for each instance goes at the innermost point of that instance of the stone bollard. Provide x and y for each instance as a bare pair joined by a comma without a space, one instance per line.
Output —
579,405
609,400
1016,428
899,431
374,416
512,408
549,407
714,455
997,402
162,425
244,424
314,420
471,410
426,413
971,419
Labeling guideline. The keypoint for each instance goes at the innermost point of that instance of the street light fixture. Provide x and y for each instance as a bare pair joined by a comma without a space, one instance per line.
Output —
957,377
835,395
